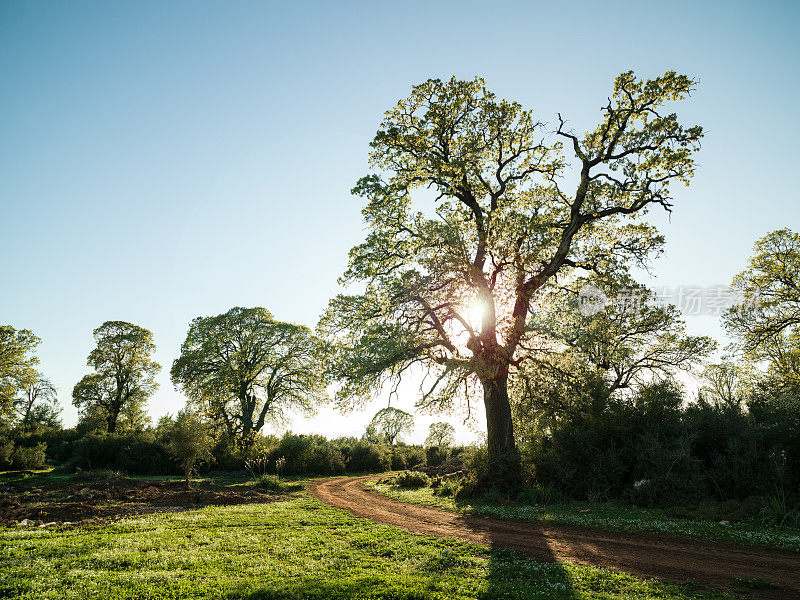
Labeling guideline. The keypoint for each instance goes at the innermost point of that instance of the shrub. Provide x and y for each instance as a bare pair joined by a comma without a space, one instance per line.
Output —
448,487
651,450
132,453
778,511
6,451
60,442
398,461
306,455
667,474
407,457
368,458
22,457
227,455
273,483
436,455
28,457
483,476
323,460
412,479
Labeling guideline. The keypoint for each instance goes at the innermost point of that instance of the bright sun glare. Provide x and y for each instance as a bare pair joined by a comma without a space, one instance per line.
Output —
475,311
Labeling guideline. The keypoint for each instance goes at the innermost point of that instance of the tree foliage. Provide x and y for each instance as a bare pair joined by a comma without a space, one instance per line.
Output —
17,366
244,367
633,339
188,441
725,383
766,323
124,373
388,425
441,434
467,206
37,403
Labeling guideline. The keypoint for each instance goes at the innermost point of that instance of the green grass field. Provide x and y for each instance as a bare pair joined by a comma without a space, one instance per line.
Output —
294,547
610,516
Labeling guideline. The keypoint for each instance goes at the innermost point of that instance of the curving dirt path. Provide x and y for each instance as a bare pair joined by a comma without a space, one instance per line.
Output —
655,555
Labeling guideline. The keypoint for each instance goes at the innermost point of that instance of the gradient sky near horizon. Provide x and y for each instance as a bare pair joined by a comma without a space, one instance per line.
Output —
161,161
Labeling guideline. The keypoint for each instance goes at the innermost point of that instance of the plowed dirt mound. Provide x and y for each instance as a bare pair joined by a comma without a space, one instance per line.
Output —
105,501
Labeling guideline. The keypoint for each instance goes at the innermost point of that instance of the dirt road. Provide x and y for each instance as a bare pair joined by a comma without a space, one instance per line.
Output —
656,555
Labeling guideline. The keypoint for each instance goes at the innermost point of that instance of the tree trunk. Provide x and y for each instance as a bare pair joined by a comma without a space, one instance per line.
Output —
499,426
505,472
111,419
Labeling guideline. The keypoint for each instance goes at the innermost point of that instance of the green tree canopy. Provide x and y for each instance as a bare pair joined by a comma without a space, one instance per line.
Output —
388,425
725,383
441,434
37,403
124,373
471,205
766,323
631,340
244,367
17,366
589,353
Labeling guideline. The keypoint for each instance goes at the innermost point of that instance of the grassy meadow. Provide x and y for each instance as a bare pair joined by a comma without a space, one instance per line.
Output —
294,547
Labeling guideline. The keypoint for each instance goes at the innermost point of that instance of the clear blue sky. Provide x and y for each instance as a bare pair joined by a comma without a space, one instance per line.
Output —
160,161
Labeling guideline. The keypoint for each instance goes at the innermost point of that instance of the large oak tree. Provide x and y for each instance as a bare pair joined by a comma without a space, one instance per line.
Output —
472,204
244,367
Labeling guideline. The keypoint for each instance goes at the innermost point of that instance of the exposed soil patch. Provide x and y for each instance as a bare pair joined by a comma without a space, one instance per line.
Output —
76,502
663,556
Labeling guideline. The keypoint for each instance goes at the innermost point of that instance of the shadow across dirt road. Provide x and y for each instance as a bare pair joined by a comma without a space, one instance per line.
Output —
666,557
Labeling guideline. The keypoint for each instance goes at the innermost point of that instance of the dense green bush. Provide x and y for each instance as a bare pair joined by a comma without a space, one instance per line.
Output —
652,450
304,455
323,459
140,454
16,457
369,458
436,455
146,453
407,457
448,487
412,479
498,477
58,442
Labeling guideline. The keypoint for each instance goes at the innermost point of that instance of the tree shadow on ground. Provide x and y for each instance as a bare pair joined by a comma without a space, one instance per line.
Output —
445,570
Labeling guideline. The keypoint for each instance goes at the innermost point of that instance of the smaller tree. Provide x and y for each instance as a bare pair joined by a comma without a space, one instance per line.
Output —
188,441
36,403
17,365
124,374
766,323
243,368
388,425
724,383
441,434
627,339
